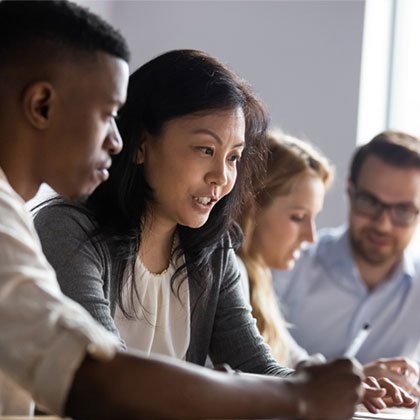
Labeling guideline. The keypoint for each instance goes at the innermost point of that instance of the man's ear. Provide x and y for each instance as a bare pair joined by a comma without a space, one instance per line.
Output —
38,101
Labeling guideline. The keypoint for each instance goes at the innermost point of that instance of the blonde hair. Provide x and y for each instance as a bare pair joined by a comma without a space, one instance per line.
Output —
288,160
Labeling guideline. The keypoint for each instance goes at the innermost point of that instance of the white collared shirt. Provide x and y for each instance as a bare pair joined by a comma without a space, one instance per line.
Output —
44,336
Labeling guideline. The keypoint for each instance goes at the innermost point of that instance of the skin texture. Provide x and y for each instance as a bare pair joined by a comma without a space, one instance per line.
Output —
195,156
377,244
193,392
62,127
289,221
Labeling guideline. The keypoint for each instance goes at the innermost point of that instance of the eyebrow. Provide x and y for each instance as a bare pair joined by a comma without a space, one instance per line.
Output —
399,203
215,136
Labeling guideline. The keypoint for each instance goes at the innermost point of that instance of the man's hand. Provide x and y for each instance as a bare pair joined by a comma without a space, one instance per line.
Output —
329,391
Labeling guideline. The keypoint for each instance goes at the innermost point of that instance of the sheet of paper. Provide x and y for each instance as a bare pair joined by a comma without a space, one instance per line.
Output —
393,413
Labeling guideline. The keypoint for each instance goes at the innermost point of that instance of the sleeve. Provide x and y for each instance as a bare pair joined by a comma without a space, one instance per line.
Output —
244,279
236,339
44,335
81,265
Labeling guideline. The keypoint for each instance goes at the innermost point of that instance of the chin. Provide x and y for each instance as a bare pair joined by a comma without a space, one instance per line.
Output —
281,265
194,224
288,265
77,194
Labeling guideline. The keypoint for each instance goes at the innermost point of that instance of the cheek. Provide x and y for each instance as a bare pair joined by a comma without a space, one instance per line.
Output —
358,222
404,236
275,232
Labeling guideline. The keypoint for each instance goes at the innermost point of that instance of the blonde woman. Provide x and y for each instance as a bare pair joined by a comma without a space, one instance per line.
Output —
277,221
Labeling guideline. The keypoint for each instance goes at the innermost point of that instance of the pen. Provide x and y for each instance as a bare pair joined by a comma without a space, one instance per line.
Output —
357,342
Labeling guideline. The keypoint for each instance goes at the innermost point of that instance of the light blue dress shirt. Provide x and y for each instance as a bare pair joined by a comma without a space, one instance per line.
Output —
325,300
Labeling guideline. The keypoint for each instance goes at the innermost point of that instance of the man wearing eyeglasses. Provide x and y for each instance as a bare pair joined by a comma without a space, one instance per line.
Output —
364,273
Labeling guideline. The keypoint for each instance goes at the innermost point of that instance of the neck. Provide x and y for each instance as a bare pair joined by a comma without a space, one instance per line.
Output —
374,275
156,247
17,164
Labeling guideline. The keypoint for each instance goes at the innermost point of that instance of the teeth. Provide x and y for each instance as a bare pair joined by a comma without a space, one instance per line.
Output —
203,200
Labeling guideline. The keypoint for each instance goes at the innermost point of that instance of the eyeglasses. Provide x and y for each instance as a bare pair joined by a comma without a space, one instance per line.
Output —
366,204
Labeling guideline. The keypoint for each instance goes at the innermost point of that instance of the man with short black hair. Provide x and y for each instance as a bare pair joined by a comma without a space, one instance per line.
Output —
63,77
366,273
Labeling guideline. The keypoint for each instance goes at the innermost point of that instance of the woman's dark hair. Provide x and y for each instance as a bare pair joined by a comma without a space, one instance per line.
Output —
176,84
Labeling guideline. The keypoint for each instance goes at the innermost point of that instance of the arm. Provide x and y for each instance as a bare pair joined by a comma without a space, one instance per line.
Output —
236,339
82,266
162,388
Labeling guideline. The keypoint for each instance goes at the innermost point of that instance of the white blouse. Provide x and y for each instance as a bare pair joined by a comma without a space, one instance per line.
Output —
162,321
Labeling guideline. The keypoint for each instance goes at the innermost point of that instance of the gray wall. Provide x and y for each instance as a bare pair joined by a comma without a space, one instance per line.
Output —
301,57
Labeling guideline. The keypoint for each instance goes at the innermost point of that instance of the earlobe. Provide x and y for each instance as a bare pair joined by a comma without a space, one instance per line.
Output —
38,100
140,155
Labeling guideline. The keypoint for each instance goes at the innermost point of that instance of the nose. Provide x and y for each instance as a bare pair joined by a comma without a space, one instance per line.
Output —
218,173
383,220
309,232
114,142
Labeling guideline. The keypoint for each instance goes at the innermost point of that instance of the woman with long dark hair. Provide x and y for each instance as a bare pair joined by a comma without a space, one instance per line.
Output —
150,254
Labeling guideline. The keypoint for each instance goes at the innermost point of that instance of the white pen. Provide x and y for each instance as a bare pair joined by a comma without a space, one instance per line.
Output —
355,345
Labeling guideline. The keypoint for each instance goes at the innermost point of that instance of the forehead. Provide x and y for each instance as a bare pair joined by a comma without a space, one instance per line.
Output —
100,76
307,193
229,122
389,183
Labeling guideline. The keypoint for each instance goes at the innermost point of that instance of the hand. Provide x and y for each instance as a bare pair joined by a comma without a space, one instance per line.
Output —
382,393
403,372
329,391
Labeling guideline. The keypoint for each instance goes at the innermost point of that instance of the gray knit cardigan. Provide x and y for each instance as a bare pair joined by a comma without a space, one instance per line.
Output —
221,323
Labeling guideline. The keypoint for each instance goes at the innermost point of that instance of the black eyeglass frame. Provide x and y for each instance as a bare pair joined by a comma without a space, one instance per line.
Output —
379,206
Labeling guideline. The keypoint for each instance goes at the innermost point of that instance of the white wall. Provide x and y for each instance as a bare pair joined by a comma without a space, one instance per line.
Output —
302,58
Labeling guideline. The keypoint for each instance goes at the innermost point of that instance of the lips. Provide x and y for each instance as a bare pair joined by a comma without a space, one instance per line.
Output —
205,200
378,239
103,170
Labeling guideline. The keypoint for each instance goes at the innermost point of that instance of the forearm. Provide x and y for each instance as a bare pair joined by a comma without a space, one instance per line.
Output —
132,387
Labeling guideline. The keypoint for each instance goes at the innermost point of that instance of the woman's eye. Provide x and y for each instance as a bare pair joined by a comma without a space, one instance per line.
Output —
235,158
206,150
297,218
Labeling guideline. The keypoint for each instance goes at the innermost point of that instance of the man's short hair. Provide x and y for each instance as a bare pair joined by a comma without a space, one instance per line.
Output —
395,148
48,29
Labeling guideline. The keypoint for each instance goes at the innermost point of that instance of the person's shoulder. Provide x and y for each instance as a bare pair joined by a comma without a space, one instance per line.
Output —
412,258
66,215
328,238
12,208
331,234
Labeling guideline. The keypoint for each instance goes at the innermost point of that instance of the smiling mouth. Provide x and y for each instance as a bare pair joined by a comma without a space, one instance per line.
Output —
205,200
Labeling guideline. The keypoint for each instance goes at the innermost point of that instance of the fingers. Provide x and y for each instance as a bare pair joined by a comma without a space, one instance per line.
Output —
396,395
373,394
